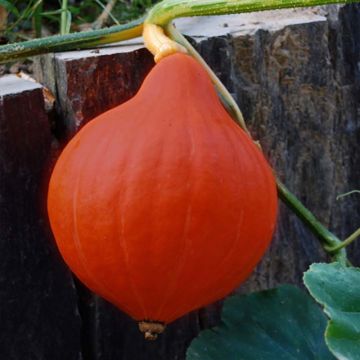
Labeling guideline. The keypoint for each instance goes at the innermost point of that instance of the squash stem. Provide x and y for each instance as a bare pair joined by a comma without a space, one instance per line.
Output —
158,43
327,238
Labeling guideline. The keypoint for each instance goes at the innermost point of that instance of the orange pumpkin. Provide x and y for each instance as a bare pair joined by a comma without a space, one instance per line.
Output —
163,204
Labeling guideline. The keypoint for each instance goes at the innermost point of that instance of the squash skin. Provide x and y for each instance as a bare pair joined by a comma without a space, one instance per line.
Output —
163,204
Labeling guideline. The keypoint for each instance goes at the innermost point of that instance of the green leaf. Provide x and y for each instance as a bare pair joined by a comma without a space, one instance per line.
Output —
282,324
337,288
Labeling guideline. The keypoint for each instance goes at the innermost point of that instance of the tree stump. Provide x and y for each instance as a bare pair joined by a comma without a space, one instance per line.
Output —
38,303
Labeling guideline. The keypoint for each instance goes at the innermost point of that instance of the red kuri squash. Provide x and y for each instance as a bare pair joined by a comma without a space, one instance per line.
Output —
163,204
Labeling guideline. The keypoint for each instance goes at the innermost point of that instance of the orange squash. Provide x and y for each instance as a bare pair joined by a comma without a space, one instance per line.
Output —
163,204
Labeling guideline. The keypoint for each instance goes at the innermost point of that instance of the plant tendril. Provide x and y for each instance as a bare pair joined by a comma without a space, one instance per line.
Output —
354,236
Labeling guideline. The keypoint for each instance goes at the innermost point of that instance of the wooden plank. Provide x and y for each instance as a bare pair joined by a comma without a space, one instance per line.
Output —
38,312
89,82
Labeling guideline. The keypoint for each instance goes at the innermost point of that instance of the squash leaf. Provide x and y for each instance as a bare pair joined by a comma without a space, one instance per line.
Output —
337,288
282,324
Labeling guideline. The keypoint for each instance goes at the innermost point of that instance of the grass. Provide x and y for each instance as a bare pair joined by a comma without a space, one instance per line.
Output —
28,19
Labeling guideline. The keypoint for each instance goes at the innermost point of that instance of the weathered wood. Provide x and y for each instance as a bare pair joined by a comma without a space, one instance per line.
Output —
38,311
89,82
295,75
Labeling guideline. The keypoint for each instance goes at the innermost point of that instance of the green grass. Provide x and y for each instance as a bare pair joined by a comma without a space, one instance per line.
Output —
25,18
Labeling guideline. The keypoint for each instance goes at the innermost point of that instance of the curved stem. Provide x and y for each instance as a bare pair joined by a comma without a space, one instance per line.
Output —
64,17
226,97
347,194
344,243
158,43
72,41
327,238
167,10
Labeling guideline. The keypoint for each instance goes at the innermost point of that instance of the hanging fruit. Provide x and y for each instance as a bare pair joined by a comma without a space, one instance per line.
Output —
163,204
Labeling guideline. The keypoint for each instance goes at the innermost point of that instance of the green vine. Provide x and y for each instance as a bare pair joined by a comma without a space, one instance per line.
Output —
74,41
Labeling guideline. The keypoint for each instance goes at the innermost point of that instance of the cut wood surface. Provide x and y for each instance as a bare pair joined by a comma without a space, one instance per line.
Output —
296,77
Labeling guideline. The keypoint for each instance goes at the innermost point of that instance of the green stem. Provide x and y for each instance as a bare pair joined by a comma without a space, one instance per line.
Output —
167,10
327,238
343,244
347,194
72,41
37,20
64,17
